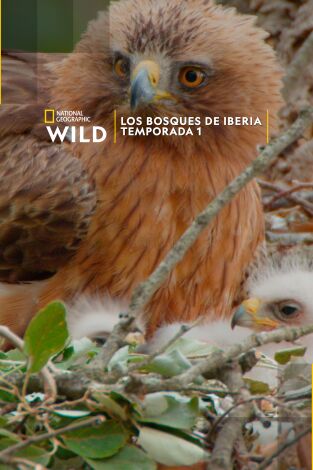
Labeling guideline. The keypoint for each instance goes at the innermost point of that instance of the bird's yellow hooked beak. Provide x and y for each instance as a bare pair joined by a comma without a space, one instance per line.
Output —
249,315
144,85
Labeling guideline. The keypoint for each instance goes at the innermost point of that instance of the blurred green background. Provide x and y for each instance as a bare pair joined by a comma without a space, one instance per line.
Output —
46,25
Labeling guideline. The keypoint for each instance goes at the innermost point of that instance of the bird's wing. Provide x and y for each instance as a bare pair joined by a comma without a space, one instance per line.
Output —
23,97
46,197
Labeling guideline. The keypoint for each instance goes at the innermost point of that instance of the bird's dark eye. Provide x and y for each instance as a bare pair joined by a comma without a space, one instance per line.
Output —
121,67
191,77
288,310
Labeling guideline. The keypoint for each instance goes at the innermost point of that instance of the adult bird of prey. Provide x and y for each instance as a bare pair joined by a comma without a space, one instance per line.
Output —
141,57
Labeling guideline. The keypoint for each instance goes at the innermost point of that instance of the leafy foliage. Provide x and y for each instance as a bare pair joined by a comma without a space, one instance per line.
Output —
125,437
99,442
284,356
45,336
108,424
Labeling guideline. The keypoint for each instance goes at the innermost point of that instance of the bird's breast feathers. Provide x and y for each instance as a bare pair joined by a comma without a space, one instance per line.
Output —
147,199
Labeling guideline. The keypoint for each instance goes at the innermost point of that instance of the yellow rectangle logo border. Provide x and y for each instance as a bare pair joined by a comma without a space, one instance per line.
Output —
52,118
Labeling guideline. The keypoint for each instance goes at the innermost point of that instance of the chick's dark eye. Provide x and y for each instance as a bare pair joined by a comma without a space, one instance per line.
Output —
121,67
288,310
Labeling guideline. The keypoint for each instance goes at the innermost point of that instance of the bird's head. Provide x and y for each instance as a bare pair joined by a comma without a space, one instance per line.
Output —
278,299
172,58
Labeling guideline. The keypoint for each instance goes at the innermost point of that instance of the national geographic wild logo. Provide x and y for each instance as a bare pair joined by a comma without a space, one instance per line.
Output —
65,127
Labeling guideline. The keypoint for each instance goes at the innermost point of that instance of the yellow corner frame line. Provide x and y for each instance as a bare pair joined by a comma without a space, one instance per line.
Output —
0,52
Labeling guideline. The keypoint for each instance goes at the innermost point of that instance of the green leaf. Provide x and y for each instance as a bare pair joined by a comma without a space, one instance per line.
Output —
74,414
3,423
35,454
120,358
169,365
32,452
97,442
9,434
75,463
79,351
170,409
7,397
129,458
257,387
110,406
45,336
169,449
284,356
65,454
120,398
123,357
16,355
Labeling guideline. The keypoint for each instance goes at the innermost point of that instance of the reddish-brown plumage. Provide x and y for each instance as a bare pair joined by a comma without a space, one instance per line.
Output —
150,189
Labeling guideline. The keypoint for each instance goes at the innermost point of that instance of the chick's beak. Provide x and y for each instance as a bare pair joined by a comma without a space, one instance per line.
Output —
144,85
249,315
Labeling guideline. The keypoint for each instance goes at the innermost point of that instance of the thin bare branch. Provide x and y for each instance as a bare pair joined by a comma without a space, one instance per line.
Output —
217,360
303,57
288,443
286,194
221,458
289,238
115,341
11,337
